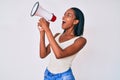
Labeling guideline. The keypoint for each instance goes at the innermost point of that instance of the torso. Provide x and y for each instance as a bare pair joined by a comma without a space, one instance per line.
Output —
63,64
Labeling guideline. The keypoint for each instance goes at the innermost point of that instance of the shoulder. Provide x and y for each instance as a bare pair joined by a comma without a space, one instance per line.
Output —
81,40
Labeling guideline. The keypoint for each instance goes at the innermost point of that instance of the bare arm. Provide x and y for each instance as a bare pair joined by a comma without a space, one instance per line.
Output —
58,51
70,50
43,50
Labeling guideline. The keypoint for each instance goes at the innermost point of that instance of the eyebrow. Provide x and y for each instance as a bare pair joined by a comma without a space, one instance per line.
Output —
67,13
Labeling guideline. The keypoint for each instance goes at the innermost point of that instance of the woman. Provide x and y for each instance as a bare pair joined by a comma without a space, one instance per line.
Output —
62,47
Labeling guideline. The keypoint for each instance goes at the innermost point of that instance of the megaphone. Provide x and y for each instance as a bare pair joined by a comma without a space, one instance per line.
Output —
37,10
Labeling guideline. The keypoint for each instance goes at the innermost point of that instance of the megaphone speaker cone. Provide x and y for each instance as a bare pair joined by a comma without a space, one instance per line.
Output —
37,10
34,9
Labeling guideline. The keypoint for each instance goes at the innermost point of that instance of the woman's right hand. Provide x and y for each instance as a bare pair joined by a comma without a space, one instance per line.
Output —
43,24
39,27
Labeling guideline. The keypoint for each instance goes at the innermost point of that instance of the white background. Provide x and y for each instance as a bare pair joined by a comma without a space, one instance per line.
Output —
19,39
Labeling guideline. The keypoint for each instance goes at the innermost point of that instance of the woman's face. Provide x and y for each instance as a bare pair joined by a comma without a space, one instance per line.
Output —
68,19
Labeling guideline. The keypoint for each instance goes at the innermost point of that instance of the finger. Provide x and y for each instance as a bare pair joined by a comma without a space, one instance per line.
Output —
40,19
39,24
40,28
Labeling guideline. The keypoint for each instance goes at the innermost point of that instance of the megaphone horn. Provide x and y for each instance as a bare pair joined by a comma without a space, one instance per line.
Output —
37,10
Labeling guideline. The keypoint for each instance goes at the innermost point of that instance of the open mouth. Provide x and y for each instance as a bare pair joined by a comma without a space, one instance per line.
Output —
63,22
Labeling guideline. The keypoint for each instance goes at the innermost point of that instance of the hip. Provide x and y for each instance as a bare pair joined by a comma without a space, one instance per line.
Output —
67,75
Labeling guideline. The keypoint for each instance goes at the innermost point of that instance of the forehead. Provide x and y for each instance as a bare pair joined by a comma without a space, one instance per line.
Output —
70,11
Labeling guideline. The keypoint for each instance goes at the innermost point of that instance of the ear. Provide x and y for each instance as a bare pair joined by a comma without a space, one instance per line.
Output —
76,22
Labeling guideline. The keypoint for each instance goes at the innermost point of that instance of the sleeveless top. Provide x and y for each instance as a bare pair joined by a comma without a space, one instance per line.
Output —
63,64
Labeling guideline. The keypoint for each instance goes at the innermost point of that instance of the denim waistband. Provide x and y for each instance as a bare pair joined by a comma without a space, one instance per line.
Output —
67,75
47,72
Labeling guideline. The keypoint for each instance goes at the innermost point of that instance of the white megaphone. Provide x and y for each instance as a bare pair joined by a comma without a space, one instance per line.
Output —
37,10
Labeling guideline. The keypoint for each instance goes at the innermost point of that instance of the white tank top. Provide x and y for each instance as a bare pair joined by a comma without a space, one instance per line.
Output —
63,64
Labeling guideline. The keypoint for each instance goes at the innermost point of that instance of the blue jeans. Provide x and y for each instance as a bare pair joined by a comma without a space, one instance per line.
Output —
67,75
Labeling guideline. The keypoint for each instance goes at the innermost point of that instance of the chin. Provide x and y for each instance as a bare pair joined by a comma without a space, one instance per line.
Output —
62,27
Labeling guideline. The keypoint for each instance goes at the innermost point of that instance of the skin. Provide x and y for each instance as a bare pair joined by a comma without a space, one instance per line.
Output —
68,24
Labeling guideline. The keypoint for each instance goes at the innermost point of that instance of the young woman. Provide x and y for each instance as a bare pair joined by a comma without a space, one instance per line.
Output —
62,47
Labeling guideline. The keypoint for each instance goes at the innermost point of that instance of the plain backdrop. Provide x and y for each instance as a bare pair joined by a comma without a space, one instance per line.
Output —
19,39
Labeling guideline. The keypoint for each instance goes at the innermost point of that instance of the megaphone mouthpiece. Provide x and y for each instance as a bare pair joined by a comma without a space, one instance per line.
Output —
53,18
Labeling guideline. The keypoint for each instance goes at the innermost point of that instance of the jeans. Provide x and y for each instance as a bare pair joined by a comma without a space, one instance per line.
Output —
67,75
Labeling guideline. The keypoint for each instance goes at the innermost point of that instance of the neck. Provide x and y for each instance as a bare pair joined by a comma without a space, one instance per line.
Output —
69,32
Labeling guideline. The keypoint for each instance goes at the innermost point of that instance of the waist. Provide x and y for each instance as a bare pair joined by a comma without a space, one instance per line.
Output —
54,74
58,68
66,75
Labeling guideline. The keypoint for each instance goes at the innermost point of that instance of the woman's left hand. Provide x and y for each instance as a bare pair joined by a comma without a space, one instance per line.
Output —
43,23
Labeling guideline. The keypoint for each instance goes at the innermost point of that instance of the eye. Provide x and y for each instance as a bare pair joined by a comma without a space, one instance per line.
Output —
69,15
